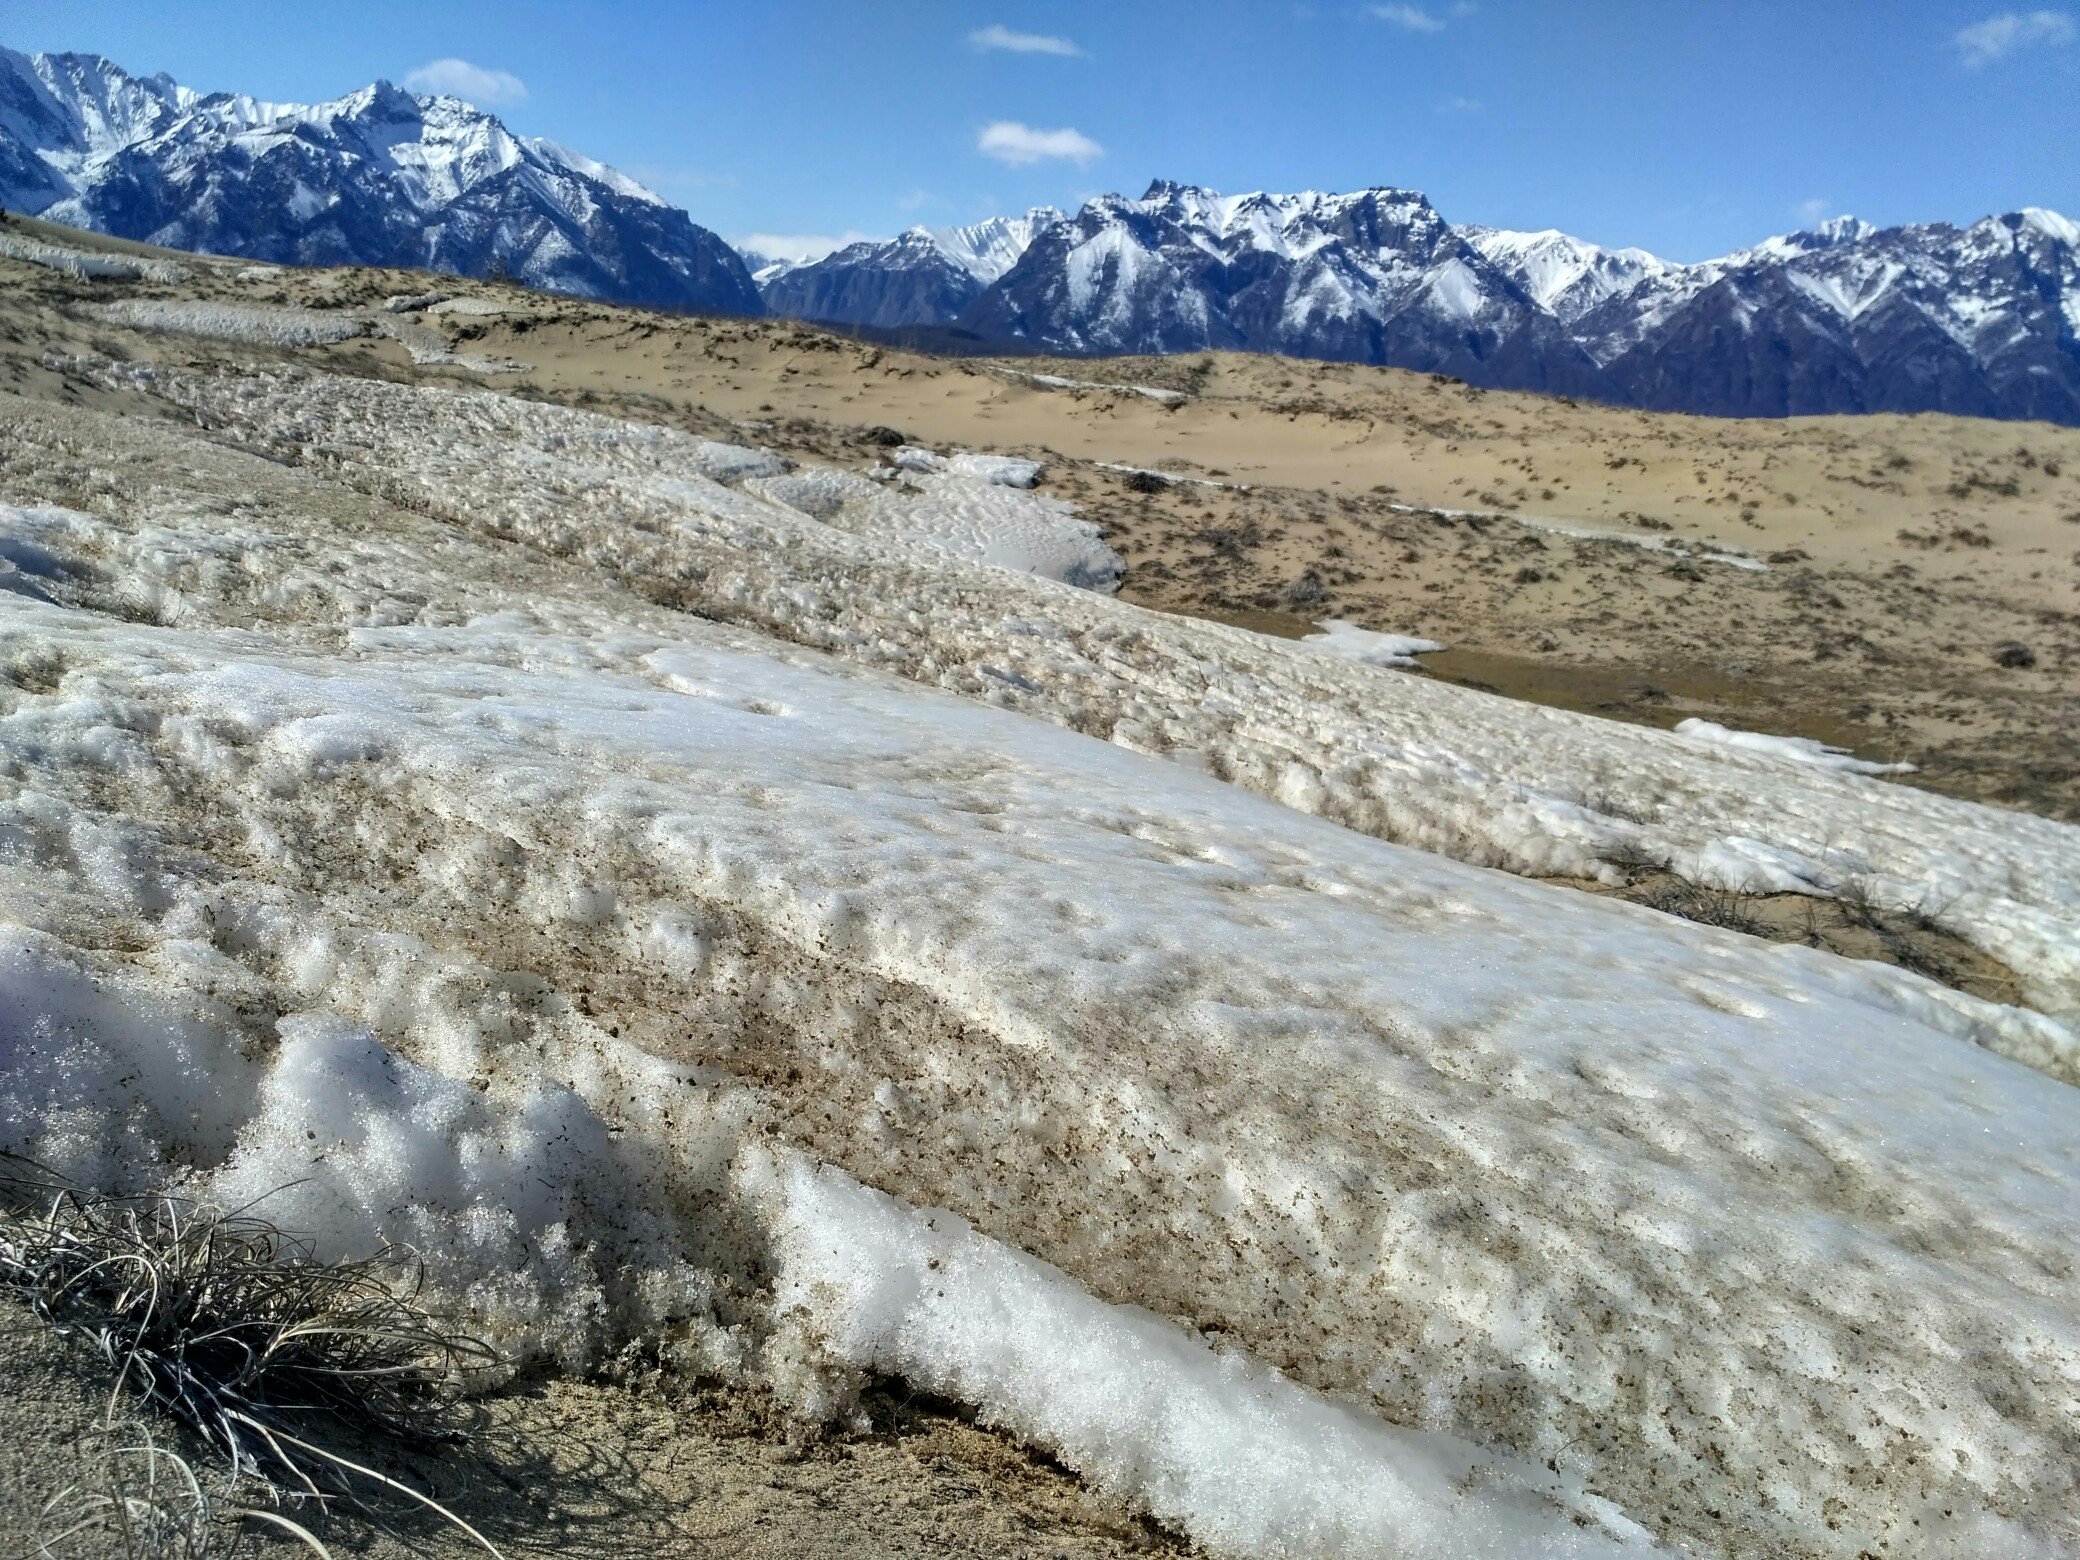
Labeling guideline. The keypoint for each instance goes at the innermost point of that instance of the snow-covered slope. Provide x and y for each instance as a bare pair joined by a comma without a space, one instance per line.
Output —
1983,320
923,276
1567,277
611,952
379,177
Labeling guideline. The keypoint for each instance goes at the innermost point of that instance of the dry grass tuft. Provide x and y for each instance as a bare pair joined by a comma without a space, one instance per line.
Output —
241,1334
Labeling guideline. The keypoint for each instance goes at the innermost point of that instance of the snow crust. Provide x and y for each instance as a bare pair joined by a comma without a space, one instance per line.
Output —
1149,392
1494,783
266,325
967,506
1212,1441
1349,642
1801,750
84,263
610,953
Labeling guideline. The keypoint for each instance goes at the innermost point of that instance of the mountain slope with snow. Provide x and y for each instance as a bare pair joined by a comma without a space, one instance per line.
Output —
923,276
1983,321
379,177
1375,277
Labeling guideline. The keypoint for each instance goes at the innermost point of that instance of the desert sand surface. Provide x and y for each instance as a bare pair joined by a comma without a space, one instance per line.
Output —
1905,587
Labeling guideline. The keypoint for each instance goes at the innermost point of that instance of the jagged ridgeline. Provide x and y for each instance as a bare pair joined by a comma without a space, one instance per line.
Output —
378,177
1978,321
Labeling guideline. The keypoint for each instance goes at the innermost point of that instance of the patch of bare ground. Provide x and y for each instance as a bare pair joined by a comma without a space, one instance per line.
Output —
1849,925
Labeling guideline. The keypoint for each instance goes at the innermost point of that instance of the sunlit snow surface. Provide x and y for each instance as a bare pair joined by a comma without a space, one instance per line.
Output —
1801,750
610,955
1351,643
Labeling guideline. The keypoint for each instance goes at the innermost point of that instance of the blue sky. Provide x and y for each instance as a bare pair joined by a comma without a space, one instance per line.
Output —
1688,127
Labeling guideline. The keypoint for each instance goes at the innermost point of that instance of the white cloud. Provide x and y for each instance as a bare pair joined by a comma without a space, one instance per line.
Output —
999,37
1014,143
795,246
473,83
1409,18
1999,36
1815,210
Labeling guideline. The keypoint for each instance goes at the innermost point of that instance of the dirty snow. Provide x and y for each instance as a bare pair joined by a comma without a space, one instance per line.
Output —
1496,783
481,308
88,263
606,951
265,325
1057,382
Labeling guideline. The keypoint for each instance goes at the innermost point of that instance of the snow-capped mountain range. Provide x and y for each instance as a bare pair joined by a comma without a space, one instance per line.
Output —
1841,319
1983,320
378,177
924,276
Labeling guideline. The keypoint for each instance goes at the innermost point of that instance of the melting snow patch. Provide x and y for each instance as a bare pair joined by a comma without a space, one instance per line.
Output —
1449,770
1003,470
1210,1440
480,308
1696,551
1763,1246
87,264
1349,642
1167,476
1056,382
1799,750
257,324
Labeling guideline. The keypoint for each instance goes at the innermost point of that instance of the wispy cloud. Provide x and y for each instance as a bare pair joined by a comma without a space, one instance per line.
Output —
1459,105
1409,18
2000,36
795,246
1000,37
1017,144
459,78
1814,211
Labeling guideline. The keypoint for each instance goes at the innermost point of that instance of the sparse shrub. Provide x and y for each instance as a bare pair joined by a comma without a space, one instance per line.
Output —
1730,909
238,1332
1307,591
1146,482
2014,655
